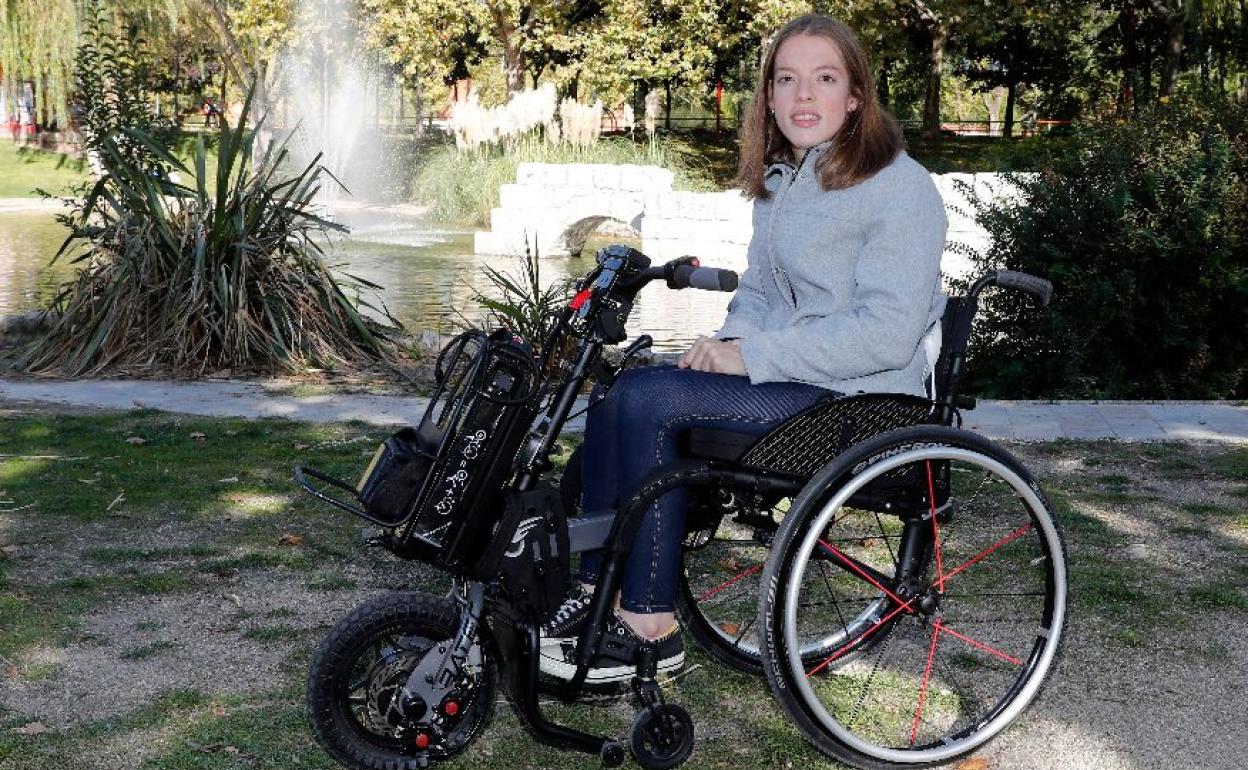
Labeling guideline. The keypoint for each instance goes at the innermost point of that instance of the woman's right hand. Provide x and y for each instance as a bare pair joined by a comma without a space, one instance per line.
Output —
710,355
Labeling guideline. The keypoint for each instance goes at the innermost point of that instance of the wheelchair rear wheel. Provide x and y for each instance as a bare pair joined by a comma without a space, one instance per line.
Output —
719,590
974,600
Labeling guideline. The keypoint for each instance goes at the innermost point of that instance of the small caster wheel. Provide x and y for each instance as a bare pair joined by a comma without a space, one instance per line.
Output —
661,736
612,754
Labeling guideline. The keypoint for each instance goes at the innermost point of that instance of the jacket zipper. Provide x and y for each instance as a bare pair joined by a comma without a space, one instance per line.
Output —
771,220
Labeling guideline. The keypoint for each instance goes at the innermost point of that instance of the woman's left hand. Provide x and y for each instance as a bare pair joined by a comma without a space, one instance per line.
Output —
708,355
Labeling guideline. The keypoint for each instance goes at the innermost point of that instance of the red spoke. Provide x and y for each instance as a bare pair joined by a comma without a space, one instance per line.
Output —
1016,534
850,563
931,496
980,645
927,675
744,573
853,642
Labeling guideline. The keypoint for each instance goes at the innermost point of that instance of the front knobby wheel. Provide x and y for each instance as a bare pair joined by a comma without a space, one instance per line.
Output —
355,700
948,541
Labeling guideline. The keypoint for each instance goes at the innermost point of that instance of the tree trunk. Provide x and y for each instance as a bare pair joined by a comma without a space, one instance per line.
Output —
667,117
881,84
994,100
931,98
1010,89
935,61
1197,42
1127,24
513,58
1175,20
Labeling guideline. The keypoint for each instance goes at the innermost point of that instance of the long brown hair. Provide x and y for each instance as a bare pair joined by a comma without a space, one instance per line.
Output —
868,141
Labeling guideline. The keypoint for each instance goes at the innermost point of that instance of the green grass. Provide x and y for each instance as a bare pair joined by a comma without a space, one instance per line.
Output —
76,471
1207,509
1233,465
23,170
331,582
977,154
277,633
181,532
1219,596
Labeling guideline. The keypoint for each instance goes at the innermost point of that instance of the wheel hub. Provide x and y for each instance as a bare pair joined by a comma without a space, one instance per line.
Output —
929,602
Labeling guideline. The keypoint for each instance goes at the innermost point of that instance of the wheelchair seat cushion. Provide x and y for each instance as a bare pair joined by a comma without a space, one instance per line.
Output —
812,438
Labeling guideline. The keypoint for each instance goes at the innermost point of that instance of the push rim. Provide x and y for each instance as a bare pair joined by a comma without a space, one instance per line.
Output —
1031,664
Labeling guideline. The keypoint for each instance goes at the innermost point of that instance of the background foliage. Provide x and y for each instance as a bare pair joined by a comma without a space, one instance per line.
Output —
1143,229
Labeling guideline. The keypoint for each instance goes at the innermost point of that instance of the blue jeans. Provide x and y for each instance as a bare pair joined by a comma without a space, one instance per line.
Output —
634,430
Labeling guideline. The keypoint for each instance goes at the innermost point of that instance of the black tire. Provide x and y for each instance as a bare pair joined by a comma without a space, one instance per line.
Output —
992,586
385,637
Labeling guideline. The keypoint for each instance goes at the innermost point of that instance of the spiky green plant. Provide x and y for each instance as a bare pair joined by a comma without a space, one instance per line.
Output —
221,273
520,302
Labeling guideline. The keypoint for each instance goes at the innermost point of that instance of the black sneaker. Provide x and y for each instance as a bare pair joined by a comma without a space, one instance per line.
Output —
617,658
571,615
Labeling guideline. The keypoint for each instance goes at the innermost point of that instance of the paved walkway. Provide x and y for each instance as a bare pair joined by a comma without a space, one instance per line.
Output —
1191,421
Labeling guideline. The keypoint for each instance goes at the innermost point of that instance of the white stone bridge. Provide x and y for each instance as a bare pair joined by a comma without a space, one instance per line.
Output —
555,207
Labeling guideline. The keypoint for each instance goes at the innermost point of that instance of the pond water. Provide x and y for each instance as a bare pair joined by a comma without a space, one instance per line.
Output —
428,274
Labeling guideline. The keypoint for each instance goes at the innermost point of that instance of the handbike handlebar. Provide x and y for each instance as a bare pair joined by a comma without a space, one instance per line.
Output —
705,278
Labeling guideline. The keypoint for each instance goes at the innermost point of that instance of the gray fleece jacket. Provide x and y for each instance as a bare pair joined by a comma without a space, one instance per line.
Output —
841,285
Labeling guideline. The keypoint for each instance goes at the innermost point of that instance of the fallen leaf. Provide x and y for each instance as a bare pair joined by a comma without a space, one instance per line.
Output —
136,440
236,599
218,710
231,750
974,763
197,436
730,628
729,565
291,540
301,447
31,728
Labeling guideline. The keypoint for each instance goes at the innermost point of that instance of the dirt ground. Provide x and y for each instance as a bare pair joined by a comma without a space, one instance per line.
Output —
1152,676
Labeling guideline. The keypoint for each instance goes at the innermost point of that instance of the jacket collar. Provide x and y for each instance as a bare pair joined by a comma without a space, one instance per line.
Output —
811,155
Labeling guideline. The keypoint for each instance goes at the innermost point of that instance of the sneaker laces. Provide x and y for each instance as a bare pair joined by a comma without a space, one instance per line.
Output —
574,603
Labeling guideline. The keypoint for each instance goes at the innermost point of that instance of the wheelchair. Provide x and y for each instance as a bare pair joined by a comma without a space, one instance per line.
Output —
901,583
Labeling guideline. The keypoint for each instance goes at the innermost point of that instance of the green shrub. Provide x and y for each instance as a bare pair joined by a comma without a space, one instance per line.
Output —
462,186
1143,230
222,272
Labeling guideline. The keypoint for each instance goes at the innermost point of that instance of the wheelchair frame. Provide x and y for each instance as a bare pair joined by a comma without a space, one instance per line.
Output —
764,469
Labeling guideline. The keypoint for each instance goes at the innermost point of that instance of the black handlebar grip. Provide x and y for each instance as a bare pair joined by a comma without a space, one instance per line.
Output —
705,278
1037,287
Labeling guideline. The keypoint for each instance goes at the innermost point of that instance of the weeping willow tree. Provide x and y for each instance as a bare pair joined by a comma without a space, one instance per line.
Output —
38,39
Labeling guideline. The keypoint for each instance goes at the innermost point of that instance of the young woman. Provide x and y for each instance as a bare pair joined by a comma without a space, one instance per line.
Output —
842,283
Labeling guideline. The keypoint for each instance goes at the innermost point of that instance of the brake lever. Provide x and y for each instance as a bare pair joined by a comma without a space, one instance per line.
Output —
641,343
606,373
